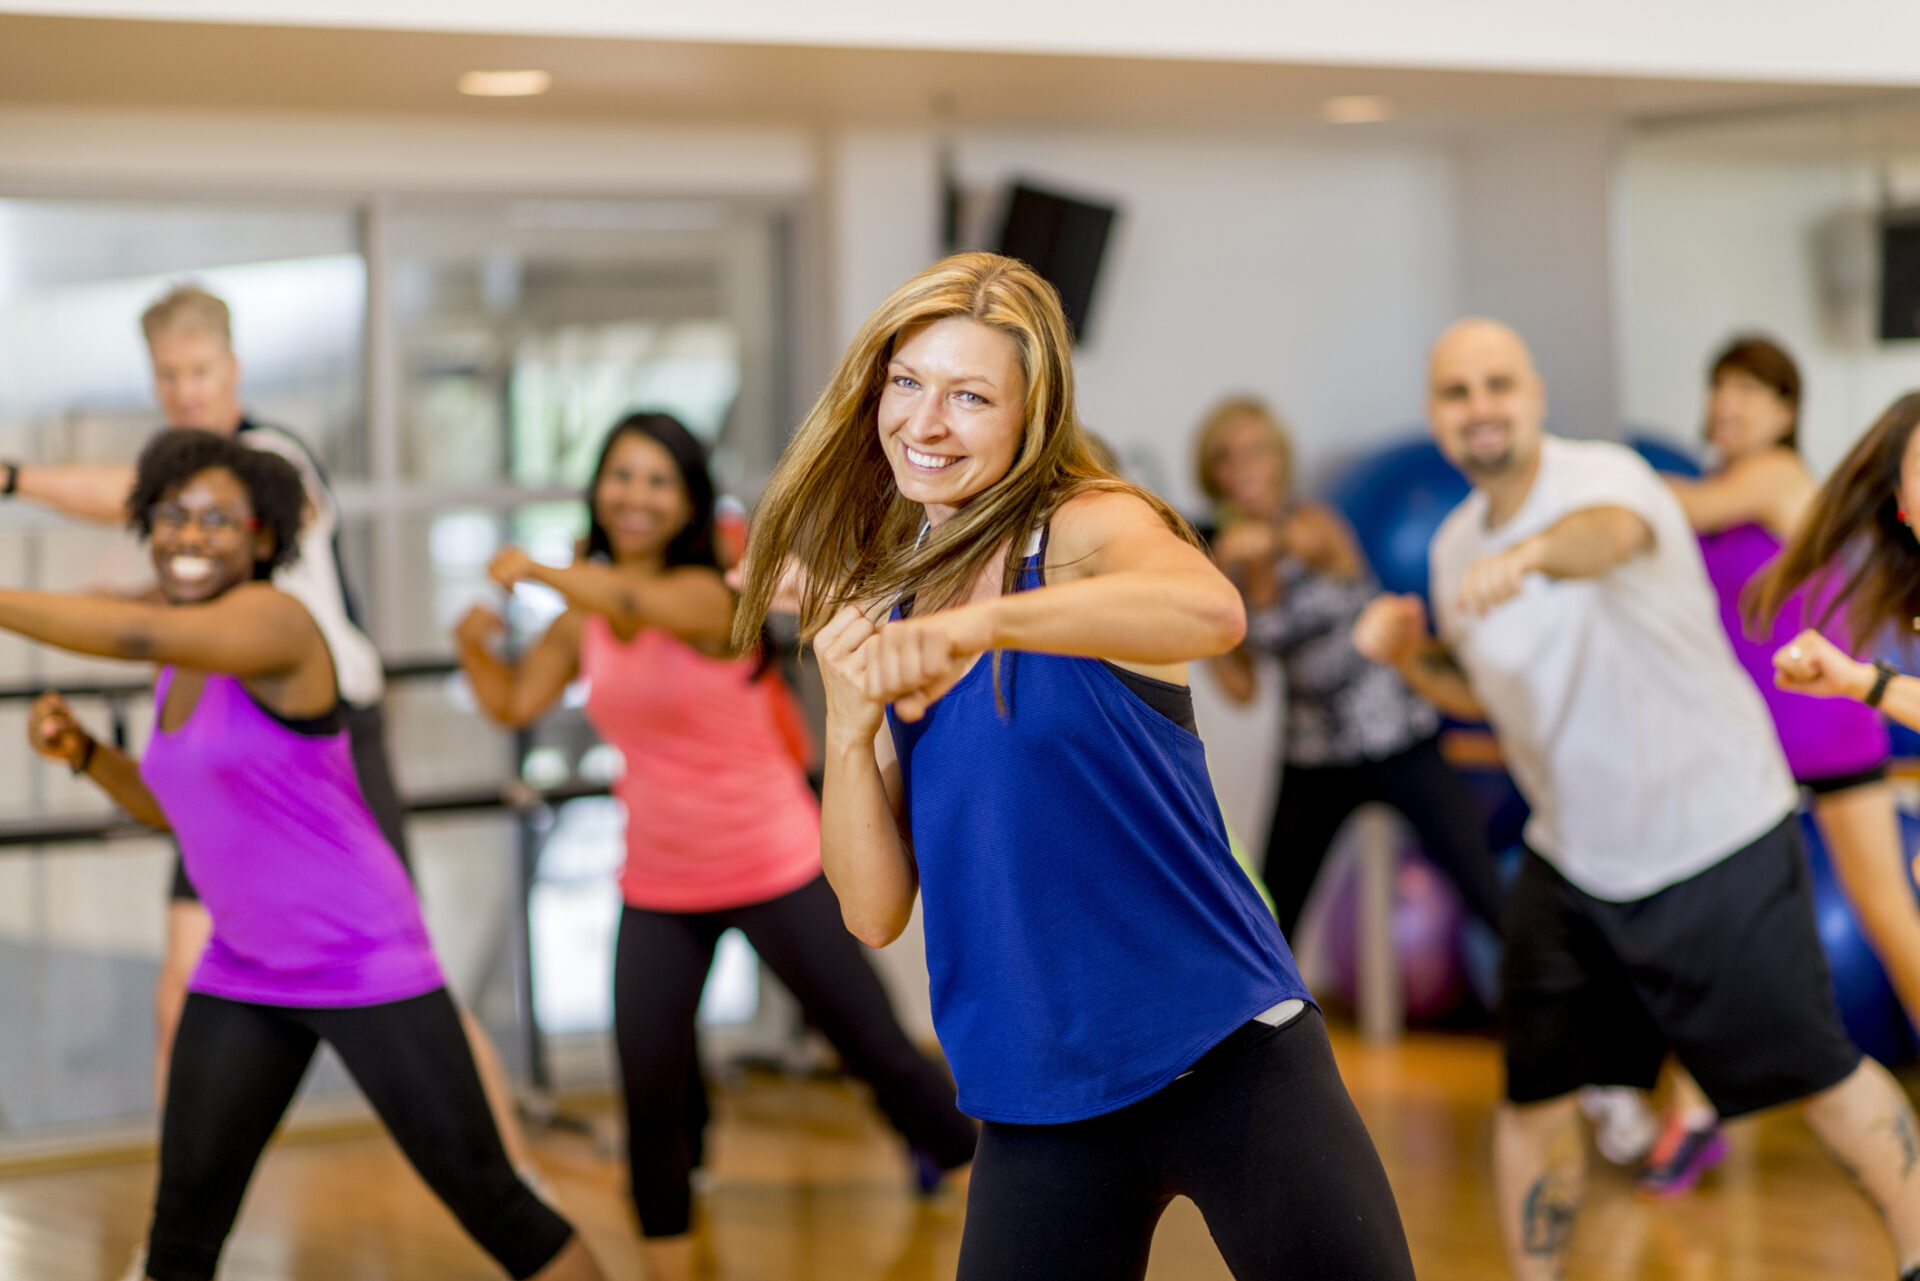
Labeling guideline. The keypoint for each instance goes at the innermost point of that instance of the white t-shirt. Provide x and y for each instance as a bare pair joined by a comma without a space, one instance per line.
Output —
1645,751
315,578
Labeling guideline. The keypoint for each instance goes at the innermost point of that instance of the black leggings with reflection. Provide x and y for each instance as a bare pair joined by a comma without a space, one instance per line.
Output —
1261,1134
660,967
235,1069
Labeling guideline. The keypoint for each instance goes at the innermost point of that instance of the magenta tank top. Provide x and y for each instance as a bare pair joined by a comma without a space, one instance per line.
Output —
310,906
1823,737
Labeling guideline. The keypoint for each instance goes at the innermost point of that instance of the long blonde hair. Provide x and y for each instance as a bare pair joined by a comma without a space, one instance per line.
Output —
832,508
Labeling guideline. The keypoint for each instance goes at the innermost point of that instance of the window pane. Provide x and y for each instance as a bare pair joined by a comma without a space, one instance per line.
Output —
526,329
76,274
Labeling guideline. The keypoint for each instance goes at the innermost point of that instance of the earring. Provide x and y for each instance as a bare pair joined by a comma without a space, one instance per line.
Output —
1900,514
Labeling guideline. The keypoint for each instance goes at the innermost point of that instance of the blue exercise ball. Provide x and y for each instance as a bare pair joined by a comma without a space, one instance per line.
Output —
1663,455
1868,1005
1395,499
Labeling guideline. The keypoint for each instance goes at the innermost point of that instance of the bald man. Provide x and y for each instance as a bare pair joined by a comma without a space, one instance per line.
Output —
1663,902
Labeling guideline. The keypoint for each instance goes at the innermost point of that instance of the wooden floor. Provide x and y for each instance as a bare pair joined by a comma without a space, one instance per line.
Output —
807,1184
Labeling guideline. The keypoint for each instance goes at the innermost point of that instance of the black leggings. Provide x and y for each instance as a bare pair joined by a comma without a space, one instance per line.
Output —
659,969
1261,1135
1316,799
235,1069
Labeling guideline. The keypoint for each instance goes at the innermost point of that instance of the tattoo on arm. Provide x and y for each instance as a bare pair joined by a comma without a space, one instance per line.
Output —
1439,662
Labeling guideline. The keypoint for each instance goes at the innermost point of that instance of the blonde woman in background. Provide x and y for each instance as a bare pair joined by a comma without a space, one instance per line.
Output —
1354,732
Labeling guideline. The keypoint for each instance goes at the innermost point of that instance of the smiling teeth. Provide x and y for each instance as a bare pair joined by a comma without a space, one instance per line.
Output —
190,568
919,459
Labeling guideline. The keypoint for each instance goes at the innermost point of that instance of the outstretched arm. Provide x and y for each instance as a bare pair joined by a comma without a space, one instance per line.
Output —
1124,587
1770,489
56,733
91,491
1393,630
517,693
1582,544
692,602
252,630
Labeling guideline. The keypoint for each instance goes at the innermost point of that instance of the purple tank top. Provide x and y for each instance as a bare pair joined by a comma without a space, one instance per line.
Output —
310,906
1823,737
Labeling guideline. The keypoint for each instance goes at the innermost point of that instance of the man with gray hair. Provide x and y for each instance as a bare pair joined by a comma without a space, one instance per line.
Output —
1663,902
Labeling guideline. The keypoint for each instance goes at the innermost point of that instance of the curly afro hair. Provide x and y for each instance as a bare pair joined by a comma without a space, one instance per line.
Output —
274,488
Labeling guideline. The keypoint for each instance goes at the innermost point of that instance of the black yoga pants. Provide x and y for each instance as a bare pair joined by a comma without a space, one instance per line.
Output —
660,967
235,1069
1315,800
1261,1135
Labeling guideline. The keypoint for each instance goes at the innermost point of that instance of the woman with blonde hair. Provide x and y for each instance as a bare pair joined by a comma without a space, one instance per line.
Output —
1003,628
1354,732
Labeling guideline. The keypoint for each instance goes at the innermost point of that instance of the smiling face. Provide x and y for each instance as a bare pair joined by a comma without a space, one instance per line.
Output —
953,412
640,499
196,379
1485,403
1745,416
206,539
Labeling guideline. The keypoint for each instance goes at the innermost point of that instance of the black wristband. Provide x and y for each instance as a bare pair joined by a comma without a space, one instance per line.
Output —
12,485
86,756
1883,674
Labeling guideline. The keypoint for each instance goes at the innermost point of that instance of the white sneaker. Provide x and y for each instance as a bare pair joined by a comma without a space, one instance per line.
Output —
1624,1127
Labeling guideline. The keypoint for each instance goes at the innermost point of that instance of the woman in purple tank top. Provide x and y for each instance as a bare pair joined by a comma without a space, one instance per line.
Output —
1744,511
317,934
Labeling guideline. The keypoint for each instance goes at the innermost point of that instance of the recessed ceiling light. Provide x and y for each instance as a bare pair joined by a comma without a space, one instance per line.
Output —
505,84
1357,109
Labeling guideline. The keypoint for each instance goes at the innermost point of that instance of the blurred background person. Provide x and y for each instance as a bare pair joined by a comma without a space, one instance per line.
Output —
1354,732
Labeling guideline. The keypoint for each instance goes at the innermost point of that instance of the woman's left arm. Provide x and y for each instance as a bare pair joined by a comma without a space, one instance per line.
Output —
692,602
1123,587
1769,489
252,630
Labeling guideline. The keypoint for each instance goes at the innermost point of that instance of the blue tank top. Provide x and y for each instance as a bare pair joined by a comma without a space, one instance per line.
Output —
1089,935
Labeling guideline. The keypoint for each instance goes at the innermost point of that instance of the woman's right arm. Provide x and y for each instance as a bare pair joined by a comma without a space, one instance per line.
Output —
863,845
56,733
517,693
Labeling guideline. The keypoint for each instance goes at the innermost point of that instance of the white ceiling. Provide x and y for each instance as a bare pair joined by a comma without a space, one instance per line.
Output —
105,62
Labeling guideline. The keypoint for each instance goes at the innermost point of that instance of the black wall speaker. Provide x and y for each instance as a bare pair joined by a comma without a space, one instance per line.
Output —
1064,240
1900,274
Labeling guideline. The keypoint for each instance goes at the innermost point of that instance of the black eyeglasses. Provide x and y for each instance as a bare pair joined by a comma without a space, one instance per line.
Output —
172,518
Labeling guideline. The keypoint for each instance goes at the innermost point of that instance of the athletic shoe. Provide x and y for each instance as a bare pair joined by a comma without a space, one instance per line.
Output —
1624,1127
1682,1155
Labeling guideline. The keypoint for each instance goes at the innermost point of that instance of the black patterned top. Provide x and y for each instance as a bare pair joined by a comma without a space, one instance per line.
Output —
1341,708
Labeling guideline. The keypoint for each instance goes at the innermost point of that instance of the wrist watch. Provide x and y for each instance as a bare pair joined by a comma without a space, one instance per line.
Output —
1883,673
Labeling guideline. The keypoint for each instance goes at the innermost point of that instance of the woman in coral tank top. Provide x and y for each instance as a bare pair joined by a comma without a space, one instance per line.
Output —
722,829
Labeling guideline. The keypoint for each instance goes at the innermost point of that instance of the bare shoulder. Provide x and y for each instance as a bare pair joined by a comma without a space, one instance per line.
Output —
1104,530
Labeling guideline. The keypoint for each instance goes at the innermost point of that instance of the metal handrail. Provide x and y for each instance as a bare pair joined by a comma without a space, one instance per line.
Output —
397,670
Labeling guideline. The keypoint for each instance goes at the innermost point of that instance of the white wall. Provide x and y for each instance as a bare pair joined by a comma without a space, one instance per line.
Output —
1721,232
1309,273
1535,252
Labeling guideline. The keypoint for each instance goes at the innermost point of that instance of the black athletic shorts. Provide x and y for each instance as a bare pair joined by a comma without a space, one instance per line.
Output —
1724,968
367,734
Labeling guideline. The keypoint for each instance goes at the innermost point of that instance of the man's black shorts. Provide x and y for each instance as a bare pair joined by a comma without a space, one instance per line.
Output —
1724,968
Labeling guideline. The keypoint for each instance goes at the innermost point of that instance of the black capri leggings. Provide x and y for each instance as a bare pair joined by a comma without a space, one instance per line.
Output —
1260,1134
1315,800
660,966
235,1069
